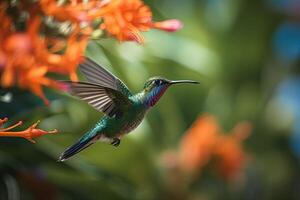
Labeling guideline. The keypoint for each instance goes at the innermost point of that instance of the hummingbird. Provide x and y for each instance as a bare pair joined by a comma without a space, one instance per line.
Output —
123,111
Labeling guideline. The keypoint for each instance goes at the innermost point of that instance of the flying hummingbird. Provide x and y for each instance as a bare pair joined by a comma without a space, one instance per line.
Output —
123,110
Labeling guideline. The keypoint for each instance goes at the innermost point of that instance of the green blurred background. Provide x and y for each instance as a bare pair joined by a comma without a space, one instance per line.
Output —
246,56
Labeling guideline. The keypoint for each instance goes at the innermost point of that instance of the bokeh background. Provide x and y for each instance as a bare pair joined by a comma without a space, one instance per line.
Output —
246,56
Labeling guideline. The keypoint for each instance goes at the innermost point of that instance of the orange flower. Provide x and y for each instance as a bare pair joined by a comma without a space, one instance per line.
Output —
198,144
34,78
17,49
132,16
230,156
27,60
23,61
77,11
204,141
28,134
27,57
70,12
67,63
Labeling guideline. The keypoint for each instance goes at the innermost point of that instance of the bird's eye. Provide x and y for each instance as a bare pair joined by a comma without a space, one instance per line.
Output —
158,82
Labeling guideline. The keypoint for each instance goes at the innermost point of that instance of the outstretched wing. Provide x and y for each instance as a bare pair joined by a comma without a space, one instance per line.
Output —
105,92
96,74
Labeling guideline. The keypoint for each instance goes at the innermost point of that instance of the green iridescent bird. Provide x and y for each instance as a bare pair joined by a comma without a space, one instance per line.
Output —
123,110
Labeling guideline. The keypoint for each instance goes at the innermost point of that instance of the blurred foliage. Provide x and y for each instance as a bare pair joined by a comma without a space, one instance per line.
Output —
246,56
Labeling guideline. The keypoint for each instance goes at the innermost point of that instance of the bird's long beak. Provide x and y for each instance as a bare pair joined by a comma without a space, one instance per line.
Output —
183,81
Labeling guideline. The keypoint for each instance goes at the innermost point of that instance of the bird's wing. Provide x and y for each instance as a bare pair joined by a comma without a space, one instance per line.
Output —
104,99
96,74
105,92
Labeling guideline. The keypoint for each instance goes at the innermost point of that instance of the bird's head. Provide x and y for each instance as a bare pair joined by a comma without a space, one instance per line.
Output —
155,87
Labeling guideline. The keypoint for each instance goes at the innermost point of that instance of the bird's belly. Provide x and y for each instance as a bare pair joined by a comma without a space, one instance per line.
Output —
103,138
115,127
132,124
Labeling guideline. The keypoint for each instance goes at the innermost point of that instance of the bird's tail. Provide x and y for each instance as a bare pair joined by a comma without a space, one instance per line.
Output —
74,149
81,144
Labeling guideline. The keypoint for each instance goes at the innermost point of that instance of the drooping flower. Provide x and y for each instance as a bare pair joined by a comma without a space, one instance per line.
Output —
205,142
24,62
33,79
68,62
198,143
204,145
54,34
168,25
26,57
229,151
131,17
67,12
77,11
29,133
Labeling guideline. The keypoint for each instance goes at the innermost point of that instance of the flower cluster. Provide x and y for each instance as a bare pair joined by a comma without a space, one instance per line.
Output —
205,143
50,36
28,134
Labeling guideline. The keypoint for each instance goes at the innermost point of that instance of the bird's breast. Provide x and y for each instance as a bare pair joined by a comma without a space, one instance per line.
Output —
133,123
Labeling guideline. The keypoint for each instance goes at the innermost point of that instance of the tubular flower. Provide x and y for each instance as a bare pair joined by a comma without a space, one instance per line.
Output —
130,17
229,153
34,79
24,63
67,63
204,141
54,34
198,143
29,133
77,11
71,12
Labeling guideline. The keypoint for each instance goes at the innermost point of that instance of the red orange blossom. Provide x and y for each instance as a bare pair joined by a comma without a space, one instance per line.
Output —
130,17
28,134
205,142
29,52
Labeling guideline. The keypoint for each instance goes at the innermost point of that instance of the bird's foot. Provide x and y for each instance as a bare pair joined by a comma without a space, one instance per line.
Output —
116,142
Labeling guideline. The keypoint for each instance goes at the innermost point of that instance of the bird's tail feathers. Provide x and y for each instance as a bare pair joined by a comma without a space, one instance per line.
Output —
75,148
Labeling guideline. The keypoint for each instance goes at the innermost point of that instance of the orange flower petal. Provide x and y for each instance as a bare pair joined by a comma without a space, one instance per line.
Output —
198,143
171,25
203,142
29,133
